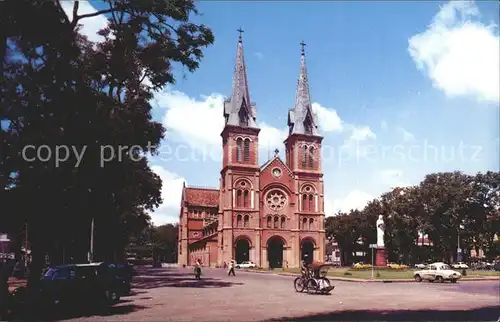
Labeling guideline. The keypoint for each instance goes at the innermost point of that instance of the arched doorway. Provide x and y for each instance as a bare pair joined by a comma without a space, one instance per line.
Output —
242,250
275,246
307,251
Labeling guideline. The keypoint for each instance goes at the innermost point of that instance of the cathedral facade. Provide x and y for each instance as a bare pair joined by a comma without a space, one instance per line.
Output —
270,214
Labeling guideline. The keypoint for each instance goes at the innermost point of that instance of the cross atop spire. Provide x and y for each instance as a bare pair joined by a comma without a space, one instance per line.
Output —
241,31
238,110
301,118
276,152
303,44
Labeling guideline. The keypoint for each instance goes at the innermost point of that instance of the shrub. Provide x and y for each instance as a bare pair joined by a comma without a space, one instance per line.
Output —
464,272
378,274
347,273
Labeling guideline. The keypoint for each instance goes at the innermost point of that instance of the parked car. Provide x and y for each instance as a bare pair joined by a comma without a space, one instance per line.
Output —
246,264
421,266
460,265
496,267
80,284
437,272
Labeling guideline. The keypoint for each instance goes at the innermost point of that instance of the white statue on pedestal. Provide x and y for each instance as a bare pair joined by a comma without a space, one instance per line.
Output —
380,231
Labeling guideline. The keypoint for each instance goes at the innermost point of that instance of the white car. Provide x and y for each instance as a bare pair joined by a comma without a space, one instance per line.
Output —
246,265
421,266
437,272
460,265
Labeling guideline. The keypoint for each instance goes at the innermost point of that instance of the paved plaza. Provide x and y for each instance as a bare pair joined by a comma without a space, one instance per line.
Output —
172,294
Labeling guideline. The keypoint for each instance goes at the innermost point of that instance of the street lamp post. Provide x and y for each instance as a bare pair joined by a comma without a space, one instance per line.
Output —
459,250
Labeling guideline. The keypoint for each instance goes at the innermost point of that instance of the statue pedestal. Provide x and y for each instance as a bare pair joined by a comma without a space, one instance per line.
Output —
381,256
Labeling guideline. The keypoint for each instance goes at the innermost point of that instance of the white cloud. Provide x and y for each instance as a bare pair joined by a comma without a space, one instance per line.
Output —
90,26
383,125
361,133
259,55
196,122
199,122
407,136
271,137
356,199
459,53
171,192
329,120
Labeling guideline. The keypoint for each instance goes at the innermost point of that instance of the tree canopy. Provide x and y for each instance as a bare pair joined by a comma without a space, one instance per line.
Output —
450,208
59,89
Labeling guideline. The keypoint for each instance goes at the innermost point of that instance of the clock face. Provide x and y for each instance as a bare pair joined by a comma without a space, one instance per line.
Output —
276,172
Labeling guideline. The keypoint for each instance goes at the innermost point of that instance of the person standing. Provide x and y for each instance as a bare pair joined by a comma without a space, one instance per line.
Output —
197,269
231,268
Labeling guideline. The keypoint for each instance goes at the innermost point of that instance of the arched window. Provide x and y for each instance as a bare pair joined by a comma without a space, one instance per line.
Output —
246,221
246,151
246,202
239,150
305,203
276,222
311,158
311,203
304,157
311,224
269,222
283,219
242,113
239,197
238,221
304,224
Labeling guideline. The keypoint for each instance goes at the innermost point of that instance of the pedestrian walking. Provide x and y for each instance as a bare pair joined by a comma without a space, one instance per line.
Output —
231,268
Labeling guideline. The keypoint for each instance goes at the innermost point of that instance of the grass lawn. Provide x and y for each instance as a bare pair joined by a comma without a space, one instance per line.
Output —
386,274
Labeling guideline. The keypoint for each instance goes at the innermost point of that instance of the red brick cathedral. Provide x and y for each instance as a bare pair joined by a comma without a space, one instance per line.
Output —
271,214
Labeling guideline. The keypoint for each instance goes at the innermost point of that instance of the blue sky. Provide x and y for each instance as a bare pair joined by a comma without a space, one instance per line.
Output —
402,89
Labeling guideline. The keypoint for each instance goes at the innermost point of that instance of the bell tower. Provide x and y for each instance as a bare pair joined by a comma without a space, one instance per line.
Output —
303,157
240,168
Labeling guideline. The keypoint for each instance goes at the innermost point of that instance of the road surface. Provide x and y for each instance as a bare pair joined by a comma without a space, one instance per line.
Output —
172,294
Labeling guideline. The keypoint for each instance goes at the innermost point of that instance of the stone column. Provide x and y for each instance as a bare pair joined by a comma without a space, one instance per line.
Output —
257,248
263,258
295,250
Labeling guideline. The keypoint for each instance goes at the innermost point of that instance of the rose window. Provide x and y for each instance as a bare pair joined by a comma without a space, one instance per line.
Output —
276,200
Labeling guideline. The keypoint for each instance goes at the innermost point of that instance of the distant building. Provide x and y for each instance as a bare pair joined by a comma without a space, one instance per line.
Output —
333,252
5,246
423,240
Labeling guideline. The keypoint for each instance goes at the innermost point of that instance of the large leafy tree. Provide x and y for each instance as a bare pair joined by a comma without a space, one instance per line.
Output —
72,92
454,209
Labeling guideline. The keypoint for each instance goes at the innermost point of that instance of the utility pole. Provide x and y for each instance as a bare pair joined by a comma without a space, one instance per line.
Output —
91,254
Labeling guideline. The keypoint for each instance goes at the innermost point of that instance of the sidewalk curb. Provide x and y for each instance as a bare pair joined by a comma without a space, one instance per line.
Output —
359,280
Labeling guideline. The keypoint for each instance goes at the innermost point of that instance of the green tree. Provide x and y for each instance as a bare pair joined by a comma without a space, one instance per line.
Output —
81,94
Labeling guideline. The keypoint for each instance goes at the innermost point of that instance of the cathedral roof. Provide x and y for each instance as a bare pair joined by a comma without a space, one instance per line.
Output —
203,197
239,110
301,118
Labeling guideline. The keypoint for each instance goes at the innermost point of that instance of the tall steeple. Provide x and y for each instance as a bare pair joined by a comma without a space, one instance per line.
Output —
238,110
301,118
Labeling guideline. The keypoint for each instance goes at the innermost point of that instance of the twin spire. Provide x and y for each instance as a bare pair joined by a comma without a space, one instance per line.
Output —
239,111
301,118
